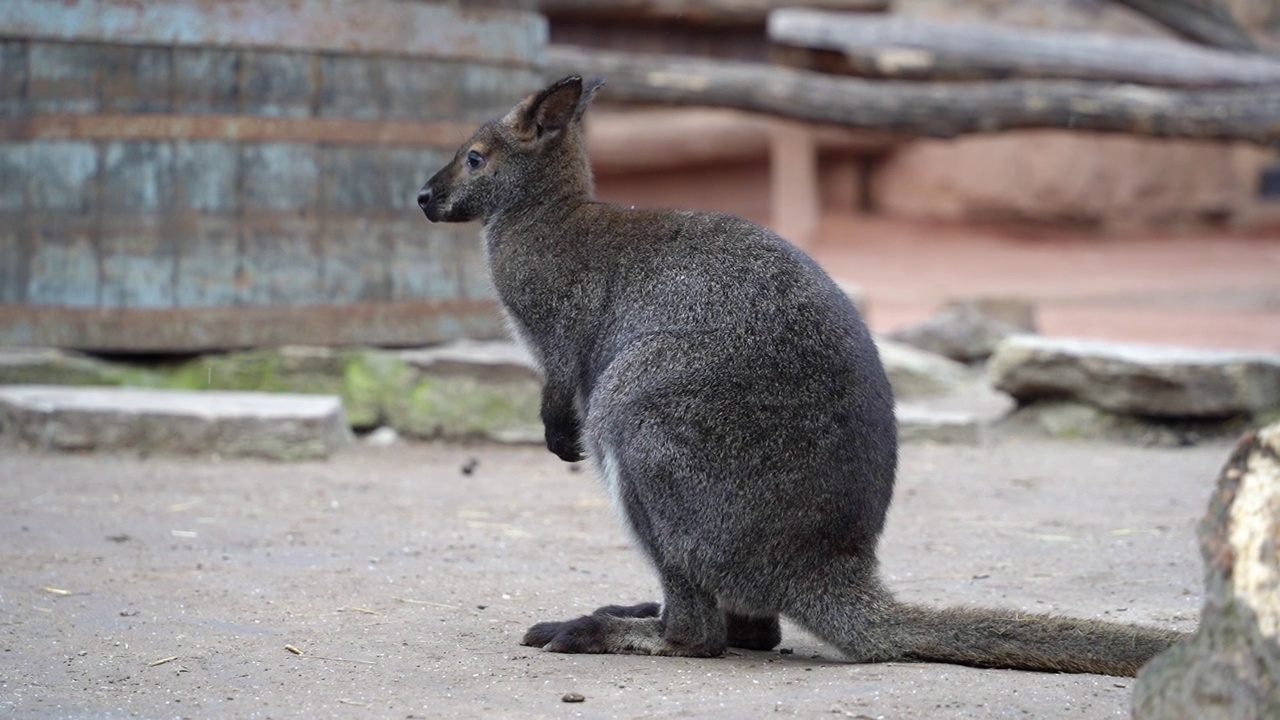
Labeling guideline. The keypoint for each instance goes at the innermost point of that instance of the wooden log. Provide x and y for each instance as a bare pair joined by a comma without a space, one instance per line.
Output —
646,139
933,109
908,48
1203,21
702,12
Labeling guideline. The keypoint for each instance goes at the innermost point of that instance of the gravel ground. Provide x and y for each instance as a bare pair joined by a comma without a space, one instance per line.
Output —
405,576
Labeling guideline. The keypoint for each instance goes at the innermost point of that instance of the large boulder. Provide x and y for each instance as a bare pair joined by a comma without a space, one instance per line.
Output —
1138,380
1230,668
969,330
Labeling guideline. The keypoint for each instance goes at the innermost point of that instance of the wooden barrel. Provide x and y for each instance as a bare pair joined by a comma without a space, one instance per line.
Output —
187,175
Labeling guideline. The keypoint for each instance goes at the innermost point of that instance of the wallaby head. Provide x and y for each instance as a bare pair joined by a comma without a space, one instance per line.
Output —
533,155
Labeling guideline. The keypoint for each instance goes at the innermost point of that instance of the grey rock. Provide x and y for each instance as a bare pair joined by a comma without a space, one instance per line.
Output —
47,366
916,373
1073,420
1138,380
270,425
481,360
970,330
469,389
951,427
1230,668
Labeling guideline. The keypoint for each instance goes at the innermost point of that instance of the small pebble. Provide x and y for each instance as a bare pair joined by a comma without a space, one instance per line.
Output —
469,466
572,697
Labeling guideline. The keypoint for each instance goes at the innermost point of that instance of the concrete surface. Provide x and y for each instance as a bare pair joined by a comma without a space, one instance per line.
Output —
271,425
406,575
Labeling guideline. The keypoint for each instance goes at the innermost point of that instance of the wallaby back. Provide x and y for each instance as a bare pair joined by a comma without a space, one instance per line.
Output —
735,406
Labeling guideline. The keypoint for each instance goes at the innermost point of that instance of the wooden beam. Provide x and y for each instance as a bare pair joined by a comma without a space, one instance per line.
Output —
701,12
915,49
1204,21
414,29
231,128
933,109
646,139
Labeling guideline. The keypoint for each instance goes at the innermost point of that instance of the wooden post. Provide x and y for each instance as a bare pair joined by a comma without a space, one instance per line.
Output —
793,176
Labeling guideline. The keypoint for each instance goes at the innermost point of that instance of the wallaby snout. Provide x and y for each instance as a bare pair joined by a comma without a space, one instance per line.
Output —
434,198
424,200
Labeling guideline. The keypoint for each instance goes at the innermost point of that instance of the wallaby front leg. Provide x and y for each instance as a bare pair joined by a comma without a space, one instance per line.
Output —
691,625
560,422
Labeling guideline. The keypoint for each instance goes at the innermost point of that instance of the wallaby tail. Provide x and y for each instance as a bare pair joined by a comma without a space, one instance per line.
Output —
1011,640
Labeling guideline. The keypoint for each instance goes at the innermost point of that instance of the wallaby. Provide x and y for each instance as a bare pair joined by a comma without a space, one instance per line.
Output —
737,410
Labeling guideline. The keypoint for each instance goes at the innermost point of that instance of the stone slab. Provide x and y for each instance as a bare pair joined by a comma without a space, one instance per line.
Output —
915,373
1138,380
483,360
924,424
270,425
50,366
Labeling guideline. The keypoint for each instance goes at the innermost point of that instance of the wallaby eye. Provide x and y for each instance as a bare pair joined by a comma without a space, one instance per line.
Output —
475,160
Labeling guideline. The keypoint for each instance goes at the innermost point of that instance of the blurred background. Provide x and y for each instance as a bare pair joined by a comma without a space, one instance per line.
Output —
199,176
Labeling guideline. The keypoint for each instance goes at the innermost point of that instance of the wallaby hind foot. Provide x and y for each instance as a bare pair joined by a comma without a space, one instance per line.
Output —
590,634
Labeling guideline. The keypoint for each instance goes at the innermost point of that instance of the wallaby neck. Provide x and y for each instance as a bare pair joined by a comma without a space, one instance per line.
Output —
548,210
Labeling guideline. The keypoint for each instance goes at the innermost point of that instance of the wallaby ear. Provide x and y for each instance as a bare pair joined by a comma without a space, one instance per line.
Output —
589,89
550,109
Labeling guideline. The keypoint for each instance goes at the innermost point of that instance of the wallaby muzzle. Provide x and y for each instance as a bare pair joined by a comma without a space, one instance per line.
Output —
429,201
434,198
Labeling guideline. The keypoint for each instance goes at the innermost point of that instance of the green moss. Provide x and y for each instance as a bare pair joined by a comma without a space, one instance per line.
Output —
371,383
462,407
51,367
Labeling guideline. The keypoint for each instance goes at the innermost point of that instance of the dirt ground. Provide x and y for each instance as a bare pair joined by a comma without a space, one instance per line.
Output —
163,587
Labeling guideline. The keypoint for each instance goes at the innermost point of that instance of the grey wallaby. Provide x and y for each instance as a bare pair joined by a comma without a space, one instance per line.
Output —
737,410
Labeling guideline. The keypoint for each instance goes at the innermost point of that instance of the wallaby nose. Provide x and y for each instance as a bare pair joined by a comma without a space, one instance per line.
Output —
424,197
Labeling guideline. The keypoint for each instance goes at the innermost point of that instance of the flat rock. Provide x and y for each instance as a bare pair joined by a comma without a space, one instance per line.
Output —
1137,380
969,330
49,366
917,373
952,427
1073,420
1230,668
271,425
481,360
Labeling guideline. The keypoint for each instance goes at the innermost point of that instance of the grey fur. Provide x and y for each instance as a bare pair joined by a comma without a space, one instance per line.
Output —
736,407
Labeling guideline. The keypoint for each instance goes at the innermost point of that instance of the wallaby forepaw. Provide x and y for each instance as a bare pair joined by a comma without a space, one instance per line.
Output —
563,441
586,634
565,446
